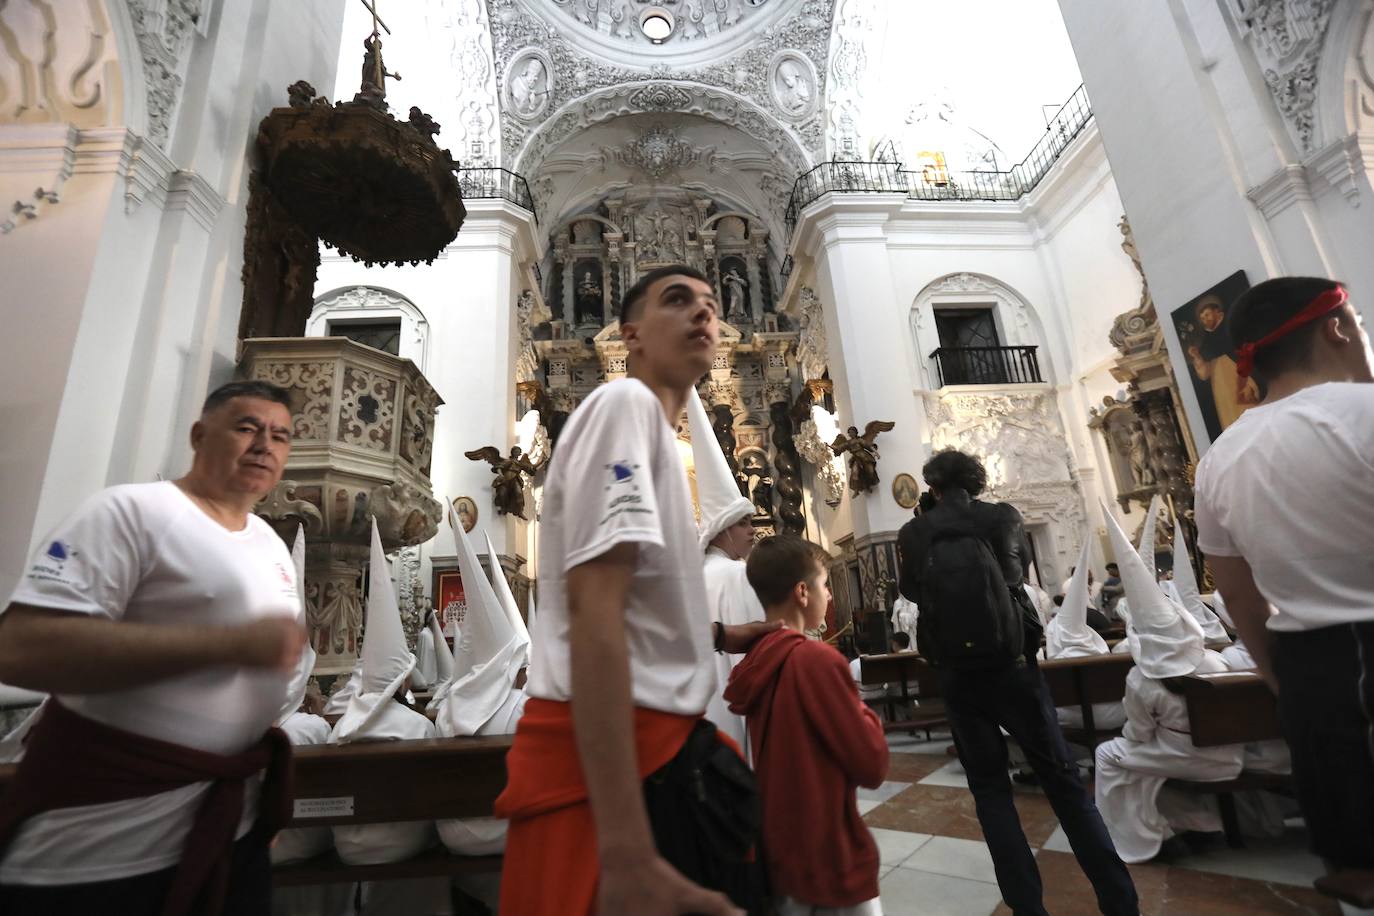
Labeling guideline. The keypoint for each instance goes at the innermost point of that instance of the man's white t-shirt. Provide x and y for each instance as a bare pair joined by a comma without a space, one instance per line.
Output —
1290,487
617,478
146,553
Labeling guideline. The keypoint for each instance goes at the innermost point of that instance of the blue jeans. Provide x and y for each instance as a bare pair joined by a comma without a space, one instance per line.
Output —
979,704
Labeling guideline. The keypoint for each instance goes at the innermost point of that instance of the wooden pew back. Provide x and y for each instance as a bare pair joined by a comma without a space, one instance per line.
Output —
1095,679
1233,707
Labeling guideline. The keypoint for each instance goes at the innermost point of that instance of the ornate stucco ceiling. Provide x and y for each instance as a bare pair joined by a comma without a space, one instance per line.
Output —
761,66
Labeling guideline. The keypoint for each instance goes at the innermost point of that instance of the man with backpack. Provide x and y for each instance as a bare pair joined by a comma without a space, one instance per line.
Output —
964,563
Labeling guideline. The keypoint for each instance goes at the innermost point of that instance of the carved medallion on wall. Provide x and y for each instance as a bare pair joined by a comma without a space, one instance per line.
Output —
529,84
792,85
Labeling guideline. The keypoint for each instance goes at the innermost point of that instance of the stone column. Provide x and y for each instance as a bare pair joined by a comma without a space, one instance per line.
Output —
786,461
755,278
569,309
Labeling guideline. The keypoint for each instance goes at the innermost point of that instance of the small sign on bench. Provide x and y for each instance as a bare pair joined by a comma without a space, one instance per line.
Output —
340,806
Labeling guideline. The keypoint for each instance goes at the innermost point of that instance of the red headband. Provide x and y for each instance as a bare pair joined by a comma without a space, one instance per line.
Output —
1324,304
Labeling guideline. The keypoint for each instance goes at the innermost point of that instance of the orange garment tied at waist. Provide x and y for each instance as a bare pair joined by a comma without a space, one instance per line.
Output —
551,863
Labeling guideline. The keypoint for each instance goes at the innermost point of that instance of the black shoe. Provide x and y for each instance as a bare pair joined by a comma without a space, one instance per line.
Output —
1025,778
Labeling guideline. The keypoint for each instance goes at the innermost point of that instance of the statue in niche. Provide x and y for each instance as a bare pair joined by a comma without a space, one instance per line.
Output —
793,87
763,498
863,454
736,294
528,89
1141,471
509,483
588,298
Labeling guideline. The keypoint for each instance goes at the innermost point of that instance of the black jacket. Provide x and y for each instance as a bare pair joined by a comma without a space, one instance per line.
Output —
999,524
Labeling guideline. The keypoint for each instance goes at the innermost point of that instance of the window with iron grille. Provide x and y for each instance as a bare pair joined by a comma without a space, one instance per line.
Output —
380,335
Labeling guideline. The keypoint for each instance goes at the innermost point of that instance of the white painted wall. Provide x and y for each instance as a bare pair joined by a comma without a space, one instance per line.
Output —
122,300
467,297
1207,168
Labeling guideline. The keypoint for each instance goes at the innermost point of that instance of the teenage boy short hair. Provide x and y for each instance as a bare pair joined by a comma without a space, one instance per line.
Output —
901,640
629,304
779,562
1263,308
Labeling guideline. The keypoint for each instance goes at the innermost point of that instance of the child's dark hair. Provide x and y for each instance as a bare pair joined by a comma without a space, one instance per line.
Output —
778,563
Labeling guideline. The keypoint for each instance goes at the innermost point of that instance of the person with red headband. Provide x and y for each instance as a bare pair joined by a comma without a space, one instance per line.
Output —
1285,515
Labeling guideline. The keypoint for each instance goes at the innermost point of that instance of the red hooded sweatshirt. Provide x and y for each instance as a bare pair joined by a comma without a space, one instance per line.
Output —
814,743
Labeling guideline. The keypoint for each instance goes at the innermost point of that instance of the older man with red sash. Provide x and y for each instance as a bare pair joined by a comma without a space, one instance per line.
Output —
162,619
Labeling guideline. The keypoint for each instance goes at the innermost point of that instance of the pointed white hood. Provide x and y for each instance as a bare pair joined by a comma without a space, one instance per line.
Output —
443,664
1165,640
1068,634
387,661
717,492
300,678
487,656
1147,537
1186,584
507,600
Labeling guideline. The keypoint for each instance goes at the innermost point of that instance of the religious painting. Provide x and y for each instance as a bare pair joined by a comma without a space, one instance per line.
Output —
466,511
905,491
450,602
1222,395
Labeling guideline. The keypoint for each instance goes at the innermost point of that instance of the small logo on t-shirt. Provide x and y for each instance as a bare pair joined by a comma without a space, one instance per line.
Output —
622,491
623,472
59,551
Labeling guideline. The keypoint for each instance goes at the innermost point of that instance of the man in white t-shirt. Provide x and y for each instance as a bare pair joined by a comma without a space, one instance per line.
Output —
622,669
1285,515
162,619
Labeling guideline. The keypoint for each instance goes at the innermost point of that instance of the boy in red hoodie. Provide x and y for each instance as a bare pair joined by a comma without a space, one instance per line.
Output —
814,741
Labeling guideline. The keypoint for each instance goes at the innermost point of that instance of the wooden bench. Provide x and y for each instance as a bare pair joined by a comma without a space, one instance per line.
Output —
386,781
1082,682
902,668
1233,707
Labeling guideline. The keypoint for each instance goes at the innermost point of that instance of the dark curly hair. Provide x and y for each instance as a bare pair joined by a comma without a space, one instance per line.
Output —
953,469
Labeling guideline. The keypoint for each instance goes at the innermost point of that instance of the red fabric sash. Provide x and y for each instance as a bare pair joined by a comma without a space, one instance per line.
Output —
1324,304
70,761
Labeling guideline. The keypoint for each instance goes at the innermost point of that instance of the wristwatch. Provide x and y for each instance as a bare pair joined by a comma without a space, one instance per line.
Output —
719,636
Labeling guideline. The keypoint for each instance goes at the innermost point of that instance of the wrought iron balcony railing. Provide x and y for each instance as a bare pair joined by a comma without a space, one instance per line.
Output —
496,182
932,183
987,365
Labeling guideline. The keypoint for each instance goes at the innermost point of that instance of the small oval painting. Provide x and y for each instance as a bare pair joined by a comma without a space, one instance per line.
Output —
905,491
467,512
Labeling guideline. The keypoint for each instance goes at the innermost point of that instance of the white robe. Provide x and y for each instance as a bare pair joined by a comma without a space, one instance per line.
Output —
426,672
296,844
482,836
904,616
377,844
1156,745
337,704
732,602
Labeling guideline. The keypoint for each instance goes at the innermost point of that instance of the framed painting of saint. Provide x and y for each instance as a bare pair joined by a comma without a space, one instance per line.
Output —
1210,357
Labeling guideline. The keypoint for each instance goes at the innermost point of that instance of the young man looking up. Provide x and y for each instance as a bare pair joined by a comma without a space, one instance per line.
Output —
622,668
1292,561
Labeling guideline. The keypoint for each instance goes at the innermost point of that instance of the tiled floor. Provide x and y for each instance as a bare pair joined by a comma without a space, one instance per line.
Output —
934,860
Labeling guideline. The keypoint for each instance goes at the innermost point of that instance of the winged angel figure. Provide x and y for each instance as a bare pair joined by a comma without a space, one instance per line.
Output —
509,485
863,454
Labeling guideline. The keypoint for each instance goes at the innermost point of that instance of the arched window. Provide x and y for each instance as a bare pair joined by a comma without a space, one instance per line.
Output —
375,317
970,329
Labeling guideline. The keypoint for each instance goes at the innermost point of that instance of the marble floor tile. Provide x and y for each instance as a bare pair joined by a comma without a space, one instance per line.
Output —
936,810
954,858
867,804
1280,861
1169,890
901,742
883,792
907,892
896,846
1058,842
912,768
951,774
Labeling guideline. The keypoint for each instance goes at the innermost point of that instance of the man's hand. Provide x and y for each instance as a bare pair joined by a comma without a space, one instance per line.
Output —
739,637
274,643
645,884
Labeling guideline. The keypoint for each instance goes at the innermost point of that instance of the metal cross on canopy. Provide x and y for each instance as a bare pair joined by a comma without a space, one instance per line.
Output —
376,20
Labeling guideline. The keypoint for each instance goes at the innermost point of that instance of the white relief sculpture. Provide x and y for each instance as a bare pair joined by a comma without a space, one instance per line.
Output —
531,85
736,294
811,343
1286,38
793,88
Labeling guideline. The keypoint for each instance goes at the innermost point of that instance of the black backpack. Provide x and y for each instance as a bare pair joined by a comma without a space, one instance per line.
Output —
968,619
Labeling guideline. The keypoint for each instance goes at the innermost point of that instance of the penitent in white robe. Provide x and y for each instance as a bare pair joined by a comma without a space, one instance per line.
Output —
377,844
426,673
1156,745
732,602
296,844
482,836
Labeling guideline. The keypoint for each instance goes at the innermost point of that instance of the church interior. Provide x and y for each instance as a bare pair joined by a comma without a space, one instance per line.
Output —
1008,228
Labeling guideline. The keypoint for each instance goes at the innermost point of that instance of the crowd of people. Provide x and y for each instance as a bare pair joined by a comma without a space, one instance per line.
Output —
683,743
